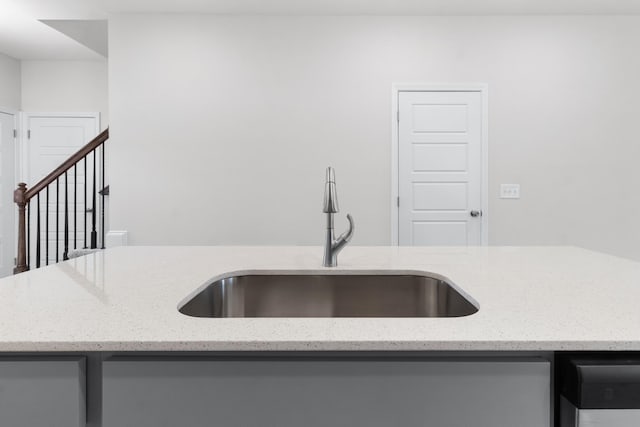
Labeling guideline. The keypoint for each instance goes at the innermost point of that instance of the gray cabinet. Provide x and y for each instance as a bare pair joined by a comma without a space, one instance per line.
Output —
453,392
42,392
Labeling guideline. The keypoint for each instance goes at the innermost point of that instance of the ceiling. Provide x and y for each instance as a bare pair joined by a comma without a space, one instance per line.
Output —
23,36
98,9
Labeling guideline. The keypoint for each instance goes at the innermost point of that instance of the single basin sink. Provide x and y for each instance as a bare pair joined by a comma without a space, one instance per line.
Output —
329,295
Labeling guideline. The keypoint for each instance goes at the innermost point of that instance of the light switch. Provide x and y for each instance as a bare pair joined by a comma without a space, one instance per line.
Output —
509,191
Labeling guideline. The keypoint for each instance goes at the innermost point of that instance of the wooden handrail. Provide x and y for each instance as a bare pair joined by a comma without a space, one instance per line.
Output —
22,196
68,164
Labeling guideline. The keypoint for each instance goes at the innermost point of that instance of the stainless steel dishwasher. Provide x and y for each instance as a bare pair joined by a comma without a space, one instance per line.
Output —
600,392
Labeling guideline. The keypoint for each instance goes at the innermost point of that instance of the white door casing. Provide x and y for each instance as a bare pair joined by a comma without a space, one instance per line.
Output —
7,185
50,139
440,166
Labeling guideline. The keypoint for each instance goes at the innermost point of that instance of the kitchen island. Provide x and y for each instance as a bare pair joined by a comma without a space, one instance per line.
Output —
106,329
127,299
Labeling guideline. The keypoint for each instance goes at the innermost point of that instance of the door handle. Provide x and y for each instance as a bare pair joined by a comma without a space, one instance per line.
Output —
475,213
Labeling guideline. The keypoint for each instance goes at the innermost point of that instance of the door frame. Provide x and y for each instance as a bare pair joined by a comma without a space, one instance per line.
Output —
17,125
16,176
17,140
396,88
22,163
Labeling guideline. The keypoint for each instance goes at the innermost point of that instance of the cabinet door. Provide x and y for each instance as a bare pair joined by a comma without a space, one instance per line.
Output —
42,392
331,393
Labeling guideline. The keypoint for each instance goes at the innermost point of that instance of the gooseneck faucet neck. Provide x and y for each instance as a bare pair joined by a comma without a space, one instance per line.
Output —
333,246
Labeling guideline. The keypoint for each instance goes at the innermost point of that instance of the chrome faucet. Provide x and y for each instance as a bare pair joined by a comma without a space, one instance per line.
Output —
333,246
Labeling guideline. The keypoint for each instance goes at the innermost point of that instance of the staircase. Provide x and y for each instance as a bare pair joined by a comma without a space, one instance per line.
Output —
64,196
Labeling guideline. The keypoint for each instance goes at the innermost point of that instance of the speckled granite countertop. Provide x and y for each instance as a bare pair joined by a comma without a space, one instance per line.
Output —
126,299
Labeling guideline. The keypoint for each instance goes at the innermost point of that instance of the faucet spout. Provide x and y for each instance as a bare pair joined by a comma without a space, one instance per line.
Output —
333,246
330,193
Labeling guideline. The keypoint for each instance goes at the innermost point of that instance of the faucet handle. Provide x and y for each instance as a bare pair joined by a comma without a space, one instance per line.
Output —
347,235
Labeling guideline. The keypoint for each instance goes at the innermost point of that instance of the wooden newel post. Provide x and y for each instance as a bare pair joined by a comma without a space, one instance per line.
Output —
20,200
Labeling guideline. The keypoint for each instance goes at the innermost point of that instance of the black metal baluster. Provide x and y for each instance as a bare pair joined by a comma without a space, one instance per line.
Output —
57,219
75,206
28,235
65,254
46,232
94,214
38,237
84,230
102,199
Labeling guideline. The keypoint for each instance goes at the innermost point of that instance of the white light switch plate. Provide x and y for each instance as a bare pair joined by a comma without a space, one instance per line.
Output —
509,191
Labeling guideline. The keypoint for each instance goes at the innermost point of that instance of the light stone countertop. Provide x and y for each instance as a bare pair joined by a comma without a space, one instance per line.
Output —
126,299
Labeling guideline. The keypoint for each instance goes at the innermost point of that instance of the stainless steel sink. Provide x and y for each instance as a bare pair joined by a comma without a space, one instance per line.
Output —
329,295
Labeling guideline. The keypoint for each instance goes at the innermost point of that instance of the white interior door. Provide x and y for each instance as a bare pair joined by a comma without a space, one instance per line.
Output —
50,141
440,168
53,139
7,185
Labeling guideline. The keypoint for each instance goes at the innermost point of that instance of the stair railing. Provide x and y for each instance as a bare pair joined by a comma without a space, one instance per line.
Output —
23,198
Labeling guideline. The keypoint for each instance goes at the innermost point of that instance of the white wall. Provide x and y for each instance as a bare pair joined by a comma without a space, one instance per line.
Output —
9,82
66,86
222,126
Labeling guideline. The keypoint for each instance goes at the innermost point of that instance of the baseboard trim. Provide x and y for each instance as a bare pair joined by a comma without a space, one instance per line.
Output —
116,238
